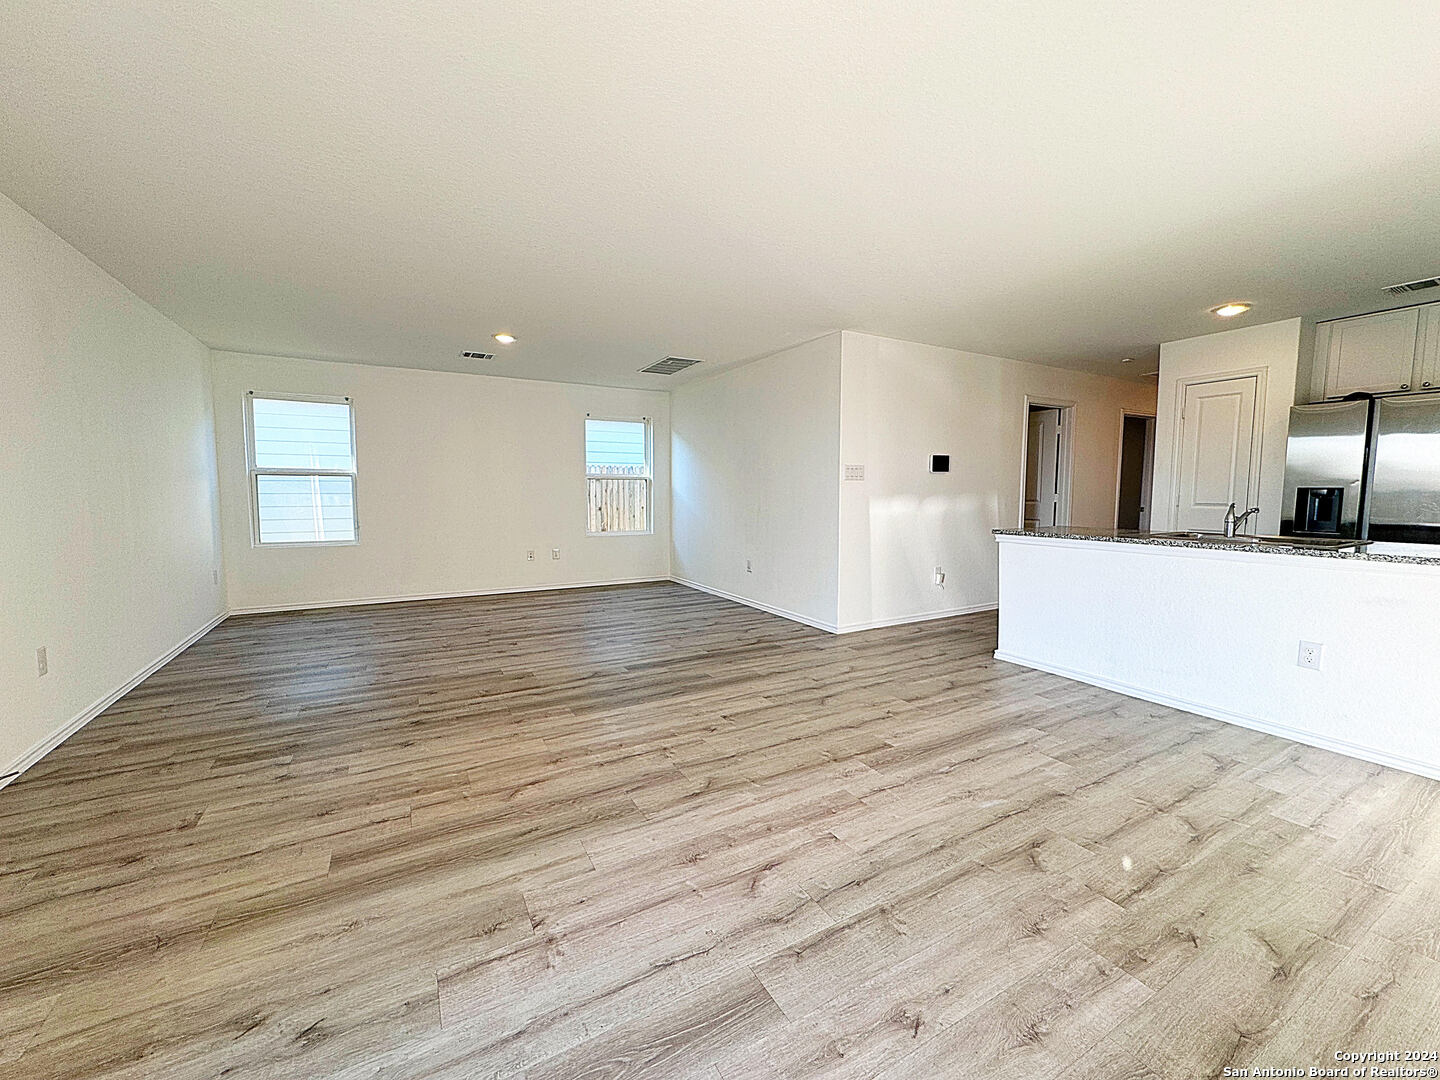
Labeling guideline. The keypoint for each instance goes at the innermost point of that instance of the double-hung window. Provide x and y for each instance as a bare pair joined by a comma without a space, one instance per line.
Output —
302,469
617,476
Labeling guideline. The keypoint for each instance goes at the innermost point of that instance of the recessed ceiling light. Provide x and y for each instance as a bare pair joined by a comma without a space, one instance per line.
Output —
505,339
1230,310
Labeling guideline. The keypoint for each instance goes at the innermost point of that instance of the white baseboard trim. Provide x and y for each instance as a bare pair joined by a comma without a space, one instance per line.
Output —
1324,742
829,628
364,600
924,616
70,727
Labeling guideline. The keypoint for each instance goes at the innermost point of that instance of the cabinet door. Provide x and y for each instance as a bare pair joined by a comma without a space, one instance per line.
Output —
1429,373
1376,354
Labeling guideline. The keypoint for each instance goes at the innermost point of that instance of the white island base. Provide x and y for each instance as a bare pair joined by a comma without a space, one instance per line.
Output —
1218,631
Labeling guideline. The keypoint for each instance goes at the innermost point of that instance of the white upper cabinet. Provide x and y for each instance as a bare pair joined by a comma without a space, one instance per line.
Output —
1372,353
1429,358
1386,353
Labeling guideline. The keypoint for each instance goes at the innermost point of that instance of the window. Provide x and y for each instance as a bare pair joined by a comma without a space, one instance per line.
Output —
302,470
617,476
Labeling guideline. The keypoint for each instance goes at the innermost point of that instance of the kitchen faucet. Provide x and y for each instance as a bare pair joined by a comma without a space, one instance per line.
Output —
1234,521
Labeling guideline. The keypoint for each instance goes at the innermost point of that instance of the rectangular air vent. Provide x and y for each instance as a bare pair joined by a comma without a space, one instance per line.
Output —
1412,286
478,355
670,365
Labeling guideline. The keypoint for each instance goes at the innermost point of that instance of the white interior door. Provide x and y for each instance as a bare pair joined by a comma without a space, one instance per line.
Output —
1042,469
1217,451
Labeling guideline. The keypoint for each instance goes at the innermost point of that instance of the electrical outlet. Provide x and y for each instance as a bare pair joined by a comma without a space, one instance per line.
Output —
1310,653
554,553
530,555
42,660
747,566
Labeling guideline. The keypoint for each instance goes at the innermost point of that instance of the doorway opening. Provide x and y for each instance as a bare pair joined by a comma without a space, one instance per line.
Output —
1137,472
1049,431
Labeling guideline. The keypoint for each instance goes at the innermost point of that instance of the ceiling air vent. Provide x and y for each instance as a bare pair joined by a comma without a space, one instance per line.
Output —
670,365
478,355
1412,286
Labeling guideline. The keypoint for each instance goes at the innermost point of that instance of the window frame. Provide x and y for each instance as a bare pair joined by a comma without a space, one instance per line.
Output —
649,478
254,471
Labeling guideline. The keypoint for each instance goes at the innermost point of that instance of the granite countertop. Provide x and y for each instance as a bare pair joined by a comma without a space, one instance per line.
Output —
1125,536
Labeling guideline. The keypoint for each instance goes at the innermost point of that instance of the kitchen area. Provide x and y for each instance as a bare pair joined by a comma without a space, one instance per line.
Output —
1291,580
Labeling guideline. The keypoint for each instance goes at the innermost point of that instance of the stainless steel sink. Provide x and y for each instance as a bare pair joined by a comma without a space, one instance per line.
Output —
1315,543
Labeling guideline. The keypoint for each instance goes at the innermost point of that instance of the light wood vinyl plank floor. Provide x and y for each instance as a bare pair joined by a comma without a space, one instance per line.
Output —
644,833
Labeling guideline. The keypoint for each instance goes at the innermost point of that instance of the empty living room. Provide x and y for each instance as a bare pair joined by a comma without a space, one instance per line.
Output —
812,541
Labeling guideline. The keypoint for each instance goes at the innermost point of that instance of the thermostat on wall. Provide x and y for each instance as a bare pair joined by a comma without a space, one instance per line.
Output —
939,462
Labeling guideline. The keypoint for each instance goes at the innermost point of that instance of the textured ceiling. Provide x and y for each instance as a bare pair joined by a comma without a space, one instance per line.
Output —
1054,181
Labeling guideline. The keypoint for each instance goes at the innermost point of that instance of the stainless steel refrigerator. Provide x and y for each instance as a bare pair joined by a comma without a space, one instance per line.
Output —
1366,469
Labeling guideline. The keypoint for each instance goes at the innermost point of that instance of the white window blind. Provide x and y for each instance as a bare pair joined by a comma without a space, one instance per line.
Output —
617,448
617,476
302,470
302,434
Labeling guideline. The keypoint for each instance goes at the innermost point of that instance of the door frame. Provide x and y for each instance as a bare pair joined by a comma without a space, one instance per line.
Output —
1067,449
1257,432
1120,456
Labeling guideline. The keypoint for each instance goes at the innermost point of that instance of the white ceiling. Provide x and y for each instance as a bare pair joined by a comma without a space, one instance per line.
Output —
1053,180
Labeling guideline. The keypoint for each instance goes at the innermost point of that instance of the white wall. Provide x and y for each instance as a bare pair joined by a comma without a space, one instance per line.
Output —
1219,632
458,476
1273,348
902,402
755,476
108,546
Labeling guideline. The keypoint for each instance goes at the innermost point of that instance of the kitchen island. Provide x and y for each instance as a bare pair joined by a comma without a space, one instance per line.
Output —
1221,628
